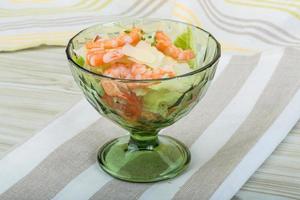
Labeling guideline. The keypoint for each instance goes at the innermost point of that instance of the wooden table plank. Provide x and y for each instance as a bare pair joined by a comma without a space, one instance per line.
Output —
36,86
280,173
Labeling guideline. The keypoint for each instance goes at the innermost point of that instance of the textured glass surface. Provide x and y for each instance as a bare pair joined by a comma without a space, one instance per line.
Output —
146,106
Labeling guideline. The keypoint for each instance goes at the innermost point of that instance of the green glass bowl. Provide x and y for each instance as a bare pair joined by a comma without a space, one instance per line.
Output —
145,106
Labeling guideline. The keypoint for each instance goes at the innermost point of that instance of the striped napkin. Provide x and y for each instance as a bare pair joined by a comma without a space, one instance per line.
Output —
243,26
252,104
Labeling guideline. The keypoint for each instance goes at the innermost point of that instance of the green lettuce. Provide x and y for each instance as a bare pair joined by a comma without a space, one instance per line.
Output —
166,94
186,41
177,85
158,101
79,60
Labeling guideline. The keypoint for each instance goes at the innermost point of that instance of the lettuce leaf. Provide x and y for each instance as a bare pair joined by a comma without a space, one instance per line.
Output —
165,94
79,60
175,85
158,101
186,41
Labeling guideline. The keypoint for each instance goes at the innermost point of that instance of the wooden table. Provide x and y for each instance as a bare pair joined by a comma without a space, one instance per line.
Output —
36,86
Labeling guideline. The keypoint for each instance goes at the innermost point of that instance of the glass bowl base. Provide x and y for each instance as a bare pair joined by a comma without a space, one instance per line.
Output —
126,161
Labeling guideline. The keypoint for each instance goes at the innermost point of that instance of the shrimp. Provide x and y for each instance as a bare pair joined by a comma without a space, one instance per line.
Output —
165,45
120,98
118,70
98,57
133,37
137,71
129,108
112,89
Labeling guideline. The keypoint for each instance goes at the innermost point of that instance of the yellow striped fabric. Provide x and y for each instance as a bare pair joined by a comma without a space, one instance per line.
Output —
244,26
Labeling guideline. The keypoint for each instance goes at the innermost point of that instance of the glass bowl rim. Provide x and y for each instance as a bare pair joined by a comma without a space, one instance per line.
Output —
208,65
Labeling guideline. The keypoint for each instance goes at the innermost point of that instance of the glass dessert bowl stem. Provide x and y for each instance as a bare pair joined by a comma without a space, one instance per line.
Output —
144,156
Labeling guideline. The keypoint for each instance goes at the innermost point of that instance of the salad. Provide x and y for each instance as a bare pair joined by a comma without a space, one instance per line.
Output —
134,54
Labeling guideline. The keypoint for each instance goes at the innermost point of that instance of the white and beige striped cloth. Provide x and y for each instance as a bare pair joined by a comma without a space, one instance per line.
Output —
252,104
241,25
